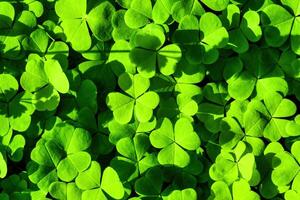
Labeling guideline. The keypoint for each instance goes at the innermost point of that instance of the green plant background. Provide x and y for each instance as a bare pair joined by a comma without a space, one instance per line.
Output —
149,99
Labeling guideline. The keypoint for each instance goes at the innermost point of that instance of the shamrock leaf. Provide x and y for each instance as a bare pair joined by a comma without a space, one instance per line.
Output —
39,43
61,155
228,167
120,29
279,24
16,109
283,174
274,110
216,5
241,189
134,152
173,142
76,21
220,190
188,193
62,190
7,15
45,79
138,13
241,83
214,34
241,29
3,168
148,51
118,131
212,111
139,101
89,181
119,58
150,185
294,191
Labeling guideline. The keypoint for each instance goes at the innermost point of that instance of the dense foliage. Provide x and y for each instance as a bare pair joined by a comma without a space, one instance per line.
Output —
149,99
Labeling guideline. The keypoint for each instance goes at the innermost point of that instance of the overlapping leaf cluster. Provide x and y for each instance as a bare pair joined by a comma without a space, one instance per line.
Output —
149,99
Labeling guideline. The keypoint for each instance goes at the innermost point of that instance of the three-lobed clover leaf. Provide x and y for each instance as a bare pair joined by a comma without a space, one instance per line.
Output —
240,190
149,52
65,191
138,14
133,155
212,111
16,108
228,167
89,181
46,80
273,111
280,24
60,155
76,22
244,77
174,142
137,102
241,29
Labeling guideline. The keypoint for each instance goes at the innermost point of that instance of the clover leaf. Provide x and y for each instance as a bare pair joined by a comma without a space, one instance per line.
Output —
139,103
216,5
89,181
241,83
280,24
241,30
60,155
173,142
212,111
16,108
150,185
138,13
62,190
45,79
214,34
274,110
134,153
75,21
188,193
148,51
228,166
289,169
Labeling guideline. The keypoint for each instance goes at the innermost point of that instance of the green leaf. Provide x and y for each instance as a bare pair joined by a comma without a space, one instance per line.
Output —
90,178
37,42
167,58
294,5
8,87
74,10
150,184
99,20
220,190
111,183
138,14
241,189
188,193
173,142
277,23
250,26
7,13
121,105
34,76
216,5
56,76
285,168
3,168
214,34
295,41
47,98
